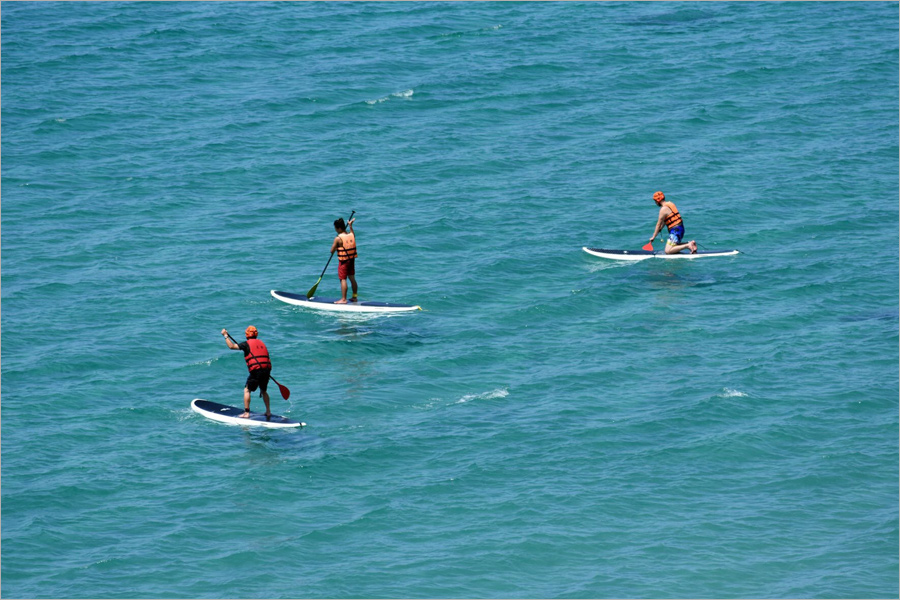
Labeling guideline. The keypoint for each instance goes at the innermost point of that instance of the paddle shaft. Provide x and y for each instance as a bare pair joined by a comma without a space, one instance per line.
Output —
330,256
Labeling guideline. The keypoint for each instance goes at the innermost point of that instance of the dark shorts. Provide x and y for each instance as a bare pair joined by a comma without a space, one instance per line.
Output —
675,235
346,268
258,378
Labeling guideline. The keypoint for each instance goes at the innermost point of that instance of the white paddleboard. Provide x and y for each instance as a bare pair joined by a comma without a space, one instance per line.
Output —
231,415
320,303
645,254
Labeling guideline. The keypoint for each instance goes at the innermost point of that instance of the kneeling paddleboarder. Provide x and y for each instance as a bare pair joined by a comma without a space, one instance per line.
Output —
669,215
257,356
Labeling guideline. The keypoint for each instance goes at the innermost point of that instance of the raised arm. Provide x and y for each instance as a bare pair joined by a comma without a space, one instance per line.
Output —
228,341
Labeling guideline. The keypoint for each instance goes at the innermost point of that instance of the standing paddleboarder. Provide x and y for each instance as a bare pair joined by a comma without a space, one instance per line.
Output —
345,245
257,356
669,215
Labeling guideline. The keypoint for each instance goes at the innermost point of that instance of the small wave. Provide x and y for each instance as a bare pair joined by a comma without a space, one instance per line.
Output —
498,393
610,264
429,405
729,393
403,94
208,363
458,34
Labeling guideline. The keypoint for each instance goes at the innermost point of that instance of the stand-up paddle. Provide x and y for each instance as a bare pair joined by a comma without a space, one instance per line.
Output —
312,290
648,246
285,393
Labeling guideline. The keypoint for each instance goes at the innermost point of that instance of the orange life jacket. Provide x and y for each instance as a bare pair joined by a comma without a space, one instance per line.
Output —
259,355
347,249
674,219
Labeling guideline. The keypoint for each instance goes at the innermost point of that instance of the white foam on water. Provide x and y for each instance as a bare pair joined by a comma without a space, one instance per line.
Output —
208,362
610,264
498,393
403,94
729,393
428,405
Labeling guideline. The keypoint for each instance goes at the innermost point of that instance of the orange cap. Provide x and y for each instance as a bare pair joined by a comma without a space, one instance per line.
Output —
251,332
659,196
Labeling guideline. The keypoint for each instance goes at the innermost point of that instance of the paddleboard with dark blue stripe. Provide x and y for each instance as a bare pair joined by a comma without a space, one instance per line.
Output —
645,254
322,303
232,415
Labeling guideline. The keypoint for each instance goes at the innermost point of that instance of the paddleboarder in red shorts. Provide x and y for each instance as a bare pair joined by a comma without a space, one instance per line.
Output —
345,245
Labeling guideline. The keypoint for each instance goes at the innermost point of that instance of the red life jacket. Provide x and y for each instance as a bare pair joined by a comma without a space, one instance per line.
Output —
259,355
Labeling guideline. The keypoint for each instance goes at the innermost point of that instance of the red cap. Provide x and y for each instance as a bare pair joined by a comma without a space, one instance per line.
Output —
659,196
251,332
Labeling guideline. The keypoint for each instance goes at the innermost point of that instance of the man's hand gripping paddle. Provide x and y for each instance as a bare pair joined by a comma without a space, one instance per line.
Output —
312,290
285,393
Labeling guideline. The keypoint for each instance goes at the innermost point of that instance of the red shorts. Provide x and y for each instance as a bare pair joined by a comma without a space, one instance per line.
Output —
346,268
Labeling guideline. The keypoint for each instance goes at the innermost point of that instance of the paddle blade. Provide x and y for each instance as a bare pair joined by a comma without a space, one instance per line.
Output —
312,290
648,246
285,393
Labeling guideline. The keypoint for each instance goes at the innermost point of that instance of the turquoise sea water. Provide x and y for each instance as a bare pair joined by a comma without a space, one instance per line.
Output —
552,425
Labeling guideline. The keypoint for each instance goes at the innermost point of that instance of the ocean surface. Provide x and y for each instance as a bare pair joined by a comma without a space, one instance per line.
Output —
551,425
